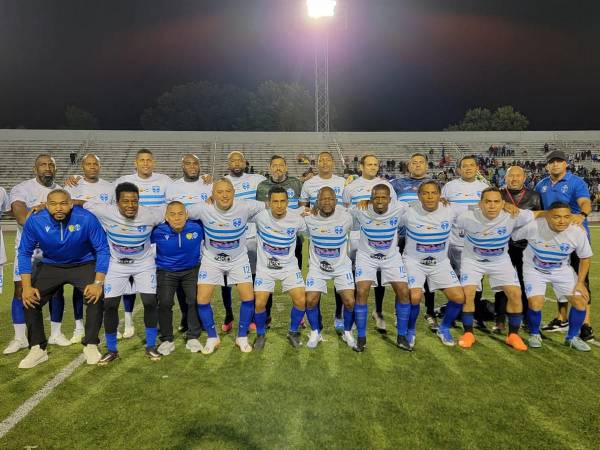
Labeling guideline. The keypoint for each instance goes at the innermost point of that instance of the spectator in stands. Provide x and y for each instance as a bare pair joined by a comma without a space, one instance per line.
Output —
73,158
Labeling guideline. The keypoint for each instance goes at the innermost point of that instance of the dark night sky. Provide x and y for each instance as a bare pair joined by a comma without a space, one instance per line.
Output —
394,64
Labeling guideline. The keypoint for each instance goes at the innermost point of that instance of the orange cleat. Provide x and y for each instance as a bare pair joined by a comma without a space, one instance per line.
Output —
515,341
252,327
467,340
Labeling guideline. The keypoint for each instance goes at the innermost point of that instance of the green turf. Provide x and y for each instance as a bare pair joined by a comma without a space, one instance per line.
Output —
436,397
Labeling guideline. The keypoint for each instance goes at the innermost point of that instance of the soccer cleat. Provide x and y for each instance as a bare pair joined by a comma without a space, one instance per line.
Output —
348,338
402,342
119,335
431,322
259,342
227,327
108,357
92,355
361,344
35,356
515,341
166,348
586,333
15,345
578,344
466,340
556,325
243,344
445,336
499,328
411,337
153,354
77,336
252,326
128,332
193,345
535,341
212,343
60,340
293,338
379,322
313,339
338,324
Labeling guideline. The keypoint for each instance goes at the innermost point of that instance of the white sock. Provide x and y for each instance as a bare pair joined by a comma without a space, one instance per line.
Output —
79,325
128,319
20,331
55,329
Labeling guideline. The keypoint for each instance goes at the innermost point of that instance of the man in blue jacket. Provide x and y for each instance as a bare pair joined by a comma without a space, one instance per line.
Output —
178,243
75,251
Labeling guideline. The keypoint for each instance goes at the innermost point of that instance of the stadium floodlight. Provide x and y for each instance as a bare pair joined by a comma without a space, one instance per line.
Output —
320,8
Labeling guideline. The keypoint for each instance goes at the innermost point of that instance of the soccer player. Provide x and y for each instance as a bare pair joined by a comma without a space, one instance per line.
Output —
225,253
563,186
551,241
75,252
277,230
23,197
177,243
4,207
328,229
128,227
428,226
487,231
378,252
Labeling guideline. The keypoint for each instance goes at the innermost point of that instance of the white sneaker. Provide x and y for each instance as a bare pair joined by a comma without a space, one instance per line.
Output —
119,335
243,344
129,332
212,343
91,353
35,356
313,339
15,345
77,336
379,322
60,340
166,348
193,345
349,339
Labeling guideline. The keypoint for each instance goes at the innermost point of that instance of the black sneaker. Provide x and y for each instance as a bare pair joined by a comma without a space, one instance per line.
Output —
153,354
402,342
586,333
431,322
499,328
107,358
259,342
361,343
293,338
556,325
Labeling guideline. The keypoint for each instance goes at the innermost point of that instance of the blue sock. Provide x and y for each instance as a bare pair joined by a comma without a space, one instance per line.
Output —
313,318
208,321
18,311
361,313
467,320
514,322
246,314
402,316
77,304
453,309
260,319
348,319
111,342
415,310
151,333
296,316
57,307
576,318
128,302
534,319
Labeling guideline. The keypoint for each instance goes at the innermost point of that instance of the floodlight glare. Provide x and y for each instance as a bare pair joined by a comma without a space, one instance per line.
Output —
320,8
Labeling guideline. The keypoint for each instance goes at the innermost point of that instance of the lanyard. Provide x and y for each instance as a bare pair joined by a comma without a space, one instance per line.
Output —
519,198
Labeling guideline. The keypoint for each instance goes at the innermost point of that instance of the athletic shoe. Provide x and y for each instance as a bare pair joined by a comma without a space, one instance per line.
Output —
411,337
586,333
35,356
268,322
499,328
193,345
166,348
77,336
402,342
556,325
348,338
466,340
119,335
108,357
431,322
182,328
293,338
91,353
212,343
15,345
515,341
445,336
379,322
535,341
128,332
59,340
481,326
259,342
243,344
227,327
361,343
252,326
153,354
338,325
578,344
313,339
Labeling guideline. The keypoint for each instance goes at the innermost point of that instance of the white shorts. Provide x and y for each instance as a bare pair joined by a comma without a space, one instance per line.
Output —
118,282
392,269
563,282
316,279
290,279
440,276
237,271
500,273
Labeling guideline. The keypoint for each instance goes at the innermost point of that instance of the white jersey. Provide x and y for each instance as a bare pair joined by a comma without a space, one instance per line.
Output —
4,207
152,189
549,251
128,239
360,190
427,234
100,192
487,240
188,192
462,195
311,187
245,189
329,240
277,239
379,232
225,231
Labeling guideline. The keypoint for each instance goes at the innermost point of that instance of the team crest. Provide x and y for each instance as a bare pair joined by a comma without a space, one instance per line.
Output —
339,230
166,237
290,231
359,272
310,282
47,228
544,188
464,277
564,247
202,275
290,193
444,225
104,198
564,188
204,196
75,227
258,282
237,222
394,221
337,190
411,280
245,185
141,228
502,230
156,189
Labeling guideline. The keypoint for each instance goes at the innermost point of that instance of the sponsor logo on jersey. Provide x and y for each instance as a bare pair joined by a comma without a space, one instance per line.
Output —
327,252
274,264
431,248
278,251
380,245
190,236
325,266
488,251
123,250
546,265
224,245
429,261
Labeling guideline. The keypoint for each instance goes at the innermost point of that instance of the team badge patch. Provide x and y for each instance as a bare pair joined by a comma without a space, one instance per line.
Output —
237,222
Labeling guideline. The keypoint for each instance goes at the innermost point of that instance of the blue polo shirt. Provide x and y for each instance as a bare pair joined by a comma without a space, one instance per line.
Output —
177,251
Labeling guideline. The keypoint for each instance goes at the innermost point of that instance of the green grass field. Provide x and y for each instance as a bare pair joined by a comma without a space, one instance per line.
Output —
436,397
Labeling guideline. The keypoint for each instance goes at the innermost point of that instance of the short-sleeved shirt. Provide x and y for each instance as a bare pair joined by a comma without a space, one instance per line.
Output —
188,192
462,195
379,232
245,189
100,192
407,188
292,186
328,249
277,239
311,187
152,189
360,190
